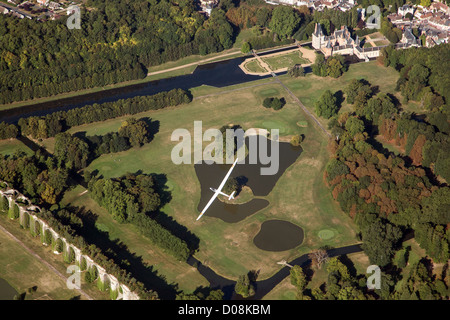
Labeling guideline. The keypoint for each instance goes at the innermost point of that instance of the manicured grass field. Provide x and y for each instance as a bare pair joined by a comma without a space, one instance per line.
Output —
11,146
285,60
309,89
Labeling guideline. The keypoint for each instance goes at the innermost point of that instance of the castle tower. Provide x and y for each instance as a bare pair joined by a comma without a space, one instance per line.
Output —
317,37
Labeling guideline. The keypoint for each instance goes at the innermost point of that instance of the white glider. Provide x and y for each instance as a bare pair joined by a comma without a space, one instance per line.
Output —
219,191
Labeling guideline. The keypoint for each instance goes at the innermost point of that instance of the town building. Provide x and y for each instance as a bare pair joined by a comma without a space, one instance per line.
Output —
207,6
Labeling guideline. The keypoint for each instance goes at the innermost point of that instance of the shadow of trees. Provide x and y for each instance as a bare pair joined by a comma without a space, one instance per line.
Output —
116,250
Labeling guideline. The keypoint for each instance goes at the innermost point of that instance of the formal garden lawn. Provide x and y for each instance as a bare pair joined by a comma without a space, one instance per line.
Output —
255,66
287,60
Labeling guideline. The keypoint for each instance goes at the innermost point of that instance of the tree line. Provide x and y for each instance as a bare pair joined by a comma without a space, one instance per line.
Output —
42,127
344,283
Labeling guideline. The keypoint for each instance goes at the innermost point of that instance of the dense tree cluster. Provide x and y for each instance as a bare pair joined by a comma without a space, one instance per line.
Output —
117,42
386,194
333,67
133,199
8,131
37,176
423,74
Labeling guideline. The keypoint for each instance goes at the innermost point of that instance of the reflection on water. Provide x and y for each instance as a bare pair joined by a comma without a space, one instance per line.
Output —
261,185
7,292
278,235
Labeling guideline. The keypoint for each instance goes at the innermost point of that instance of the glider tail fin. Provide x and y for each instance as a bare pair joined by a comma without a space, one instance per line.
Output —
231,195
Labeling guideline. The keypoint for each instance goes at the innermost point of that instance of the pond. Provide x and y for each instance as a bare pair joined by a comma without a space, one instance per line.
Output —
7,292
211,175
278,235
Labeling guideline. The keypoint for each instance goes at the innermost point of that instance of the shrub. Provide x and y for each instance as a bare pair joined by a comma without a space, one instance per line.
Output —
274,103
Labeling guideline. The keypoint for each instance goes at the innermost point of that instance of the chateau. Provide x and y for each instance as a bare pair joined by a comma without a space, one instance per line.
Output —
341,42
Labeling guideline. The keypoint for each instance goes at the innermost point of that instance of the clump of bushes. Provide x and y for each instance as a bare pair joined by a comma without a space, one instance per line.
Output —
274,103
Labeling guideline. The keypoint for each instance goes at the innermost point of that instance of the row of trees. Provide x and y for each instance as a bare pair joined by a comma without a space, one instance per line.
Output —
56,122
54,221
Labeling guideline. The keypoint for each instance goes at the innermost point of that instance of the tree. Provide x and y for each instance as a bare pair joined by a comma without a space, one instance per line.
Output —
298,278
296,140
246,47
284,21
379,241
354,126
136,131
296,71
351,90
335,68
71,151
274,103
13,212
326,106
232,185
318,257
4,204
244,287
59,245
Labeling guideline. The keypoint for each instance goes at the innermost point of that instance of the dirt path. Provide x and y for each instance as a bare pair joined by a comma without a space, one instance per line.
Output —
34,254
192,63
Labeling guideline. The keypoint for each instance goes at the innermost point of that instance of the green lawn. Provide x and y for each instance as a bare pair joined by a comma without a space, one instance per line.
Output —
309,89
285,60
10,146
254,66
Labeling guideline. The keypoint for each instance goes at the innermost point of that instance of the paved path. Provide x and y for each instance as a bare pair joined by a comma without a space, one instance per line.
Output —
34,254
